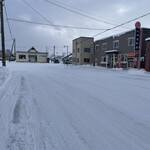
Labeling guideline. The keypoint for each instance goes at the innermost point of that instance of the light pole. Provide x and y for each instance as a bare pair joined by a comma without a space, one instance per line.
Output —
2,33
67,52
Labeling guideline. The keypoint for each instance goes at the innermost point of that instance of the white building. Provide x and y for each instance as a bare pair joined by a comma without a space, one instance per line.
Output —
32,55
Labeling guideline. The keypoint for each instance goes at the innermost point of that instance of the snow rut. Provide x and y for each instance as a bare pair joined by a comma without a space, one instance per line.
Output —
20,132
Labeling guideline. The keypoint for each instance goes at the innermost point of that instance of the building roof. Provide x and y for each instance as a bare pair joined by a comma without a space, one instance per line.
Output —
31,52
147,39
117,35
111,51
83,38
32,49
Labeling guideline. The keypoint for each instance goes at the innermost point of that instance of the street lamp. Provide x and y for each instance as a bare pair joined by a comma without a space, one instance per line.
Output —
67,52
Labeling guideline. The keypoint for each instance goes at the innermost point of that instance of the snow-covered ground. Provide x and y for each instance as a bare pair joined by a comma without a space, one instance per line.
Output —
58,107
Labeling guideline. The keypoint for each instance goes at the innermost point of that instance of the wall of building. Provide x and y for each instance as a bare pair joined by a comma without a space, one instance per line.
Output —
21,60
147,59
123,48
79,45
41,57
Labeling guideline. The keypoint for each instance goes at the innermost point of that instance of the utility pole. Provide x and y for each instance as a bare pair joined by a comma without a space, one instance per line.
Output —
76,52
67,53
15,47
2,34
54,53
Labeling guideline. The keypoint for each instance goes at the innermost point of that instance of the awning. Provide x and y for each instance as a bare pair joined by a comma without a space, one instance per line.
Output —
111,51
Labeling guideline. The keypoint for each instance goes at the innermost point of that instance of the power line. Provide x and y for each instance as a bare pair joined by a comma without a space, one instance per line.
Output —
79,13
62,26
8,22
102,20
45,18
123,24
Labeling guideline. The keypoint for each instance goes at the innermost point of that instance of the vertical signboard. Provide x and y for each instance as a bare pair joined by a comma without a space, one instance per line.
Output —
138,42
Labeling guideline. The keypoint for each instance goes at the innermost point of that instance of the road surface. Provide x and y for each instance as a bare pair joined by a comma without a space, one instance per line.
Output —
57,107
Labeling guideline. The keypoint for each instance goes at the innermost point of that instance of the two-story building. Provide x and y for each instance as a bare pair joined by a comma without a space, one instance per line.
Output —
81,54
107,51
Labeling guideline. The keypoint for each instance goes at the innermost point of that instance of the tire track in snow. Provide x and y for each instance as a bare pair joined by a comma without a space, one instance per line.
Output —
20,134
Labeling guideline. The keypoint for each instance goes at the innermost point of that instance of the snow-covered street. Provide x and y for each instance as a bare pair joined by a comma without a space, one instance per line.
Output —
59,107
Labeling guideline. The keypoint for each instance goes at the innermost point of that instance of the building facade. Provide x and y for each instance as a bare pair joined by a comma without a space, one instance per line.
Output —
81,54
119,50
32,55
147,59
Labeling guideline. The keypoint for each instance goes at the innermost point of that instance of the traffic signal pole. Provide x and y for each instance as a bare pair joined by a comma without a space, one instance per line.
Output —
2,33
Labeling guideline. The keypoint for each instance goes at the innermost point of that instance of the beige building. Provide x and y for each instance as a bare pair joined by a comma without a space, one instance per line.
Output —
81,50
32,55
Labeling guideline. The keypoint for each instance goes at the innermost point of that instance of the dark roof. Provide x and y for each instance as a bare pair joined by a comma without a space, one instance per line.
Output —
32,48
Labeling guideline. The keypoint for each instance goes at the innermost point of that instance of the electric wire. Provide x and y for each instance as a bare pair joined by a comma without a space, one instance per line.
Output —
62,26
123,24
106,22
45,18
8,22
80,13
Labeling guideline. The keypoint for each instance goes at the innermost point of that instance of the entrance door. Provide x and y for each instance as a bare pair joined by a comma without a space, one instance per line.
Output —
32,58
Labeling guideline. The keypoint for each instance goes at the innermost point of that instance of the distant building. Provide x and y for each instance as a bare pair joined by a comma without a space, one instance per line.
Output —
32,55
7,54
67,59
81,50
108,51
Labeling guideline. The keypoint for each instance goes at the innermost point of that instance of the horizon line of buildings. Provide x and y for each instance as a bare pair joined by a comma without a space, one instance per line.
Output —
112,51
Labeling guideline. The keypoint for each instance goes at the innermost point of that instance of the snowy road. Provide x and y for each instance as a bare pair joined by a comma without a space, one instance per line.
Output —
57,107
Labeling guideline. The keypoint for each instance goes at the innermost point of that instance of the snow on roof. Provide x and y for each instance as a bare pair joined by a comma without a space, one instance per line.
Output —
147,39
111,51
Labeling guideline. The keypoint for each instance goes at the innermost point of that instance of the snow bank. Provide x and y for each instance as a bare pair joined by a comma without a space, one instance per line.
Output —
4,74
137,72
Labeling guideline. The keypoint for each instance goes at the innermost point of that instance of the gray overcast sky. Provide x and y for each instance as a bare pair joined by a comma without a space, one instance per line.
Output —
40,36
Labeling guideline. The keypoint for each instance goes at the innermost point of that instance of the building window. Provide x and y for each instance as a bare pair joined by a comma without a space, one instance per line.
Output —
78,50
131,41
103,59
116,44
87,60
96,47
86,49
104,46
123,57
22,56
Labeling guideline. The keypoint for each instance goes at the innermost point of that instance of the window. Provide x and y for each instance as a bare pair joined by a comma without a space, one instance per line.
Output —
131,41
86,59
86,49
123,57
104,46
78,50
103,59
96,47
116,44
22,56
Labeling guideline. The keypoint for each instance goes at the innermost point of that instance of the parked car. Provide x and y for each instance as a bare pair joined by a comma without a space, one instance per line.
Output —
56,61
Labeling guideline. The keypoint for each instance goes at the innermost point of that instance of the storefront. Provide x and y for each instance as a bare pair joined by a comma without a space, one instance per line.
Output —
111,58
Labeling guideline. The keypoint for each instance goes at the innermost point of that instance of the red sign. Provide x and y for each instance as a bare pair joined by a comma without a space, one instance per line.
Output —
119,63
130,55
138,24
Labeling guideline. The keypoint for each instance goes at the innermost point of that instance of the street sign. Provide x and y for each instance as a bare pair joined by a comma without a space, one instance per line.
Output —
137,38
138,24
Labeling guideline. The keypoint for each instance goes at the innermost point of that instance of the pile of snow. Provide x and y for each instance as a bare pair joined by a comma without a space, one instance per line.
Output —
137,72
4,73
